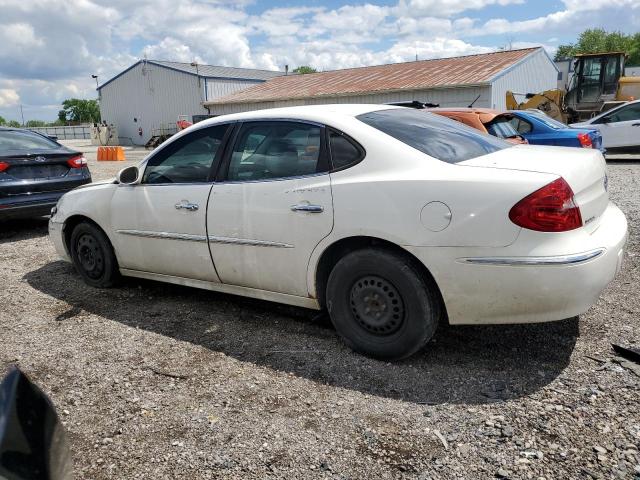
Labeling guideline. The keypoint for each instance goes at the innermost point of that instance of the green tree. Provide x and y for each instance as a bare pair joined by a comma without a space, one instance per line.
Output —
2,121
62,116
36,123
13,124
79,110
597,40
304,69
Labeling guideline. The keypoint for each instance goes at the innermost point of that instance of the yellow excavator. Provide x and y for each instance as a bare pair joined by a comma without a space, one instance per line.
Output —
596,86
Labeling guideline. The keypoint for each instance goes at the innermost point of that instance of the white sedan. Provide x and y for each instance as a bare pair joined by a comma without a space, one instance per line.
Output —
619,127
391,218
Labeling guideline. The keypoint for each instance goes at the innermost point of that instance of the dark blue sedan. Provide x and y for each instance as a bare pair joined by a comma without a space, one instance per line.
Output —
540,129
35,172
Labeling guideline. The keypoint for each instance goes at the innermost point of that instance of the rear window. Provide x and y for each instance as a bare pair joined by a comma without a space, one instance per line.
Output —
24,140
435,135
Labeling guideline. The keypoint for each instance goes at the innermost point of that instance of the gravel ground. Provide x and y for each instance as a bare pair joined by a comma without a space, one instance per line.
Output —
162,382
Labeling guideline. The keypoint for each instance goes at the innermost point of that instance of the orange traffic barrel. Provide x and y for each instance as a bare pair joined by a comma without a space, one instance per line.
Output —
110,154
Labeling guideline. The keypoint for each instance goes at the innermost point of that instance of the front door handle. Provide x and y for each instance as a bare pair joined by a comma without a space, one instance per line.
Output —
191,207
305,207
635,124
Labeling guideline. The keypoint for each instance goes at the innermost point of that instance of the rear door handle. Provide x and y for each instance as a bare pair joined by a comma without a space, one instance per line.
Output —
307,208
635,124
191,207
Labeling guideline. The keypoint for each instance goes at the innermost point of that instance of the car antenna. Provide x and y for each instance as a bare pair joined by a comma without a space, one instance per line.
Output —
471,104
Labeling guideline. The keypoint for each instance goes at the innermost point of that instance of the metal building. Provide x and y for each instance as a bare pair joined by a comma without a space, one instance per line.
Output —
148,97
451,82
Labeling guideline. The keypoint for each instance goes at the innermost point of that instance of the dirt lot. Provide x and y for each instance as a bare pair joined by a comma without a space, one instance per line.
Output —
157,381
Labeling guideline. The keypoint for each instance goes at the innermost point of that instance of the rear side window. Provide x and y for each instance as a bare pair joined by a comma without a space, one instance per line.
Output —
24,140
344,152
435,135
278,149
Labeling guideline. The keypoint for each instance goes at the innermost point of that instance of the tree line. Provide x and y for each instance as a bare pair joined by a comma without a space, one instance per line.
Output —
597,40
74,111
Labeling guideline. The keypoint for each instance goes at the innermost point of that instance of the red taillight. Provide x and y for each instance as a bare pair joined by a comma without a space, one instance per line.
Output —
3,166
585,140
77,162
550,209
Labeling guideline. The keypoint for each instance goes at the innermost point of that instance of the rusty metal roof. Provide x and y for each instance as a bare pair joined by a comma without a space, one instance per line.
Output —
424,74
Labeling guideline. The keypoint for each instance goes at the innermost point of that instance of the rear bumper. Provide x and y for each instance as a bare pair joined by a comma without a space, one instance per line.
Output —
34,204
499,289
25,206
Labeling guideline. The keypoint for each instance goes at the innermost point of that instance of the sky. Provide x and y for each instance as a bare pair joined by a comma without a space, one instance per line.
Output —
50,48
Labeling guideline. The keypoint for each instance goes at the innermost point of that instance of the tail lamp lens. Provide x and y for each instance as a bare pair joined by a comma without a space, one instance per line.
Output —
585,140
3,166
77,162
549,209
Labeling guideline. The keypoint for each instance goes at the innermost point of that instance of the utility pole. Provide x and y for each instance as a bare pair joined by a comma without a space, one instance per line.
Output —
22,115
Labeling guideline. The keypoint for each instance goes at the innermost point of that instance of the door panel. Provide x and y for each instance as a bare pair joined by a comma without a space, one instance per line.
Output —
160,224
623,128
152,235
258,241
273,206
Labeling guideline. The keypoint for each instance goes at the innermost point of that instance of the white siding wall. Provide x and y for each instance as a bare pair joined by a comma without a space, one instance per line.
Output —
219,87
535,74
154,98
446,97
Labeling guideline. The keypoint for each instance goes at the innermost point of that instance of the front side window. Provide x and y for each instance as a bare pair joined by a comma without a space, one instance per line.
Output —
189,160
626,114
435,135
268,150
501,127
521,126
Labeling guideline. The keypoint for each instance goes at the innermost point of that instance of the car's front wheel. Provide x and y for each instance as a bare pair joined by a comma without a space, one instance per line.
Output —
381,305
93,256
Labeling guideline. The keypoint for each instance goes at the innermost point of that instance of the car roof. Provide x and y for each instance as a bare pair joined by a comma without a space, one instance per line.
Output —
465,110
303,112
485,115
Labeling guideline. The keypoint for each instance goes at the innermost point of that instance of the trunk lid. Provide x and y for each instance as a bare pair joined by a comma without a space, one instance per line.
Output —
34,171
583,169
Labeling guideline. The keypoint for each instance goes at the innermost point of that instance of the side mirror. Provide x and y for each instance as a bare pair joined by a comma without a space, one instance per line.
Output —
129,175
32,440
606,119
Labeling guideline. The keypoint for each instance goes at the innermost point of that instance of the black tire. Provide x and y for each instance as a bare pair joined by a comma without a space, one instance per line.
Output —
381,305
93,256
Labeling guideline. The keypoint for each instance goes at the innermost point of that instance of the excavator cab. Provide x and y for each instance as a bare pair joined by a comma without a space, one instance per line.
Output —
594,82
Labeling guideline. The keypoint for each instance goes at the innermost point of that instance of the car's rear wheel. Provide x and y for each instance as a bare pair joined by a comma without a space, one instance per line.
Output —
93,256
381,305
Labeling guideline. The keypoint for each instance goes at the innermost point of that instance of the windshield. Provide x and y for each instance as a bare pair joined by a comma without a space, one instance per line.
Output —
501,127
435,135
24,140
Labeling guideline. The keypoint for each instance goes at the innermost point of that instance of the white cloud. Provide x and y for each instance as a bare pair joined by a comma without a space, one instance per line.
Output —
9,97
419,8
50,48
577,16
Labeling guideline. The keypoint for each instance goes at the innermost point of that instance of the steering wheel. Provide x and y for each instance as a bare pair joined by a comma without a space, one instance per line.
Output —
156,177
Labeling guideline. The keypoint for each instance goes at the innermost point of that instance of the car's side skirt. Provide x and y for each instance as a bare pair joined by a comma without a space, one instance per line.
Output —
295,300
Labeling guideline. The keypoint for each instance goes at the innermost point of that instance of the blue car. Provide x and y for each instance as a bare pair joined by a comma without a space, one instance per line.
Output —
540,129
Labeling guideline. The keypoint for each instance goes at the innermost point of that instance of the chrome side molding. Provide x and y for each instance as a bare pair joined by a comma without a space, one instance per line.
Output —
203,238
535,261
165,235
247,241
